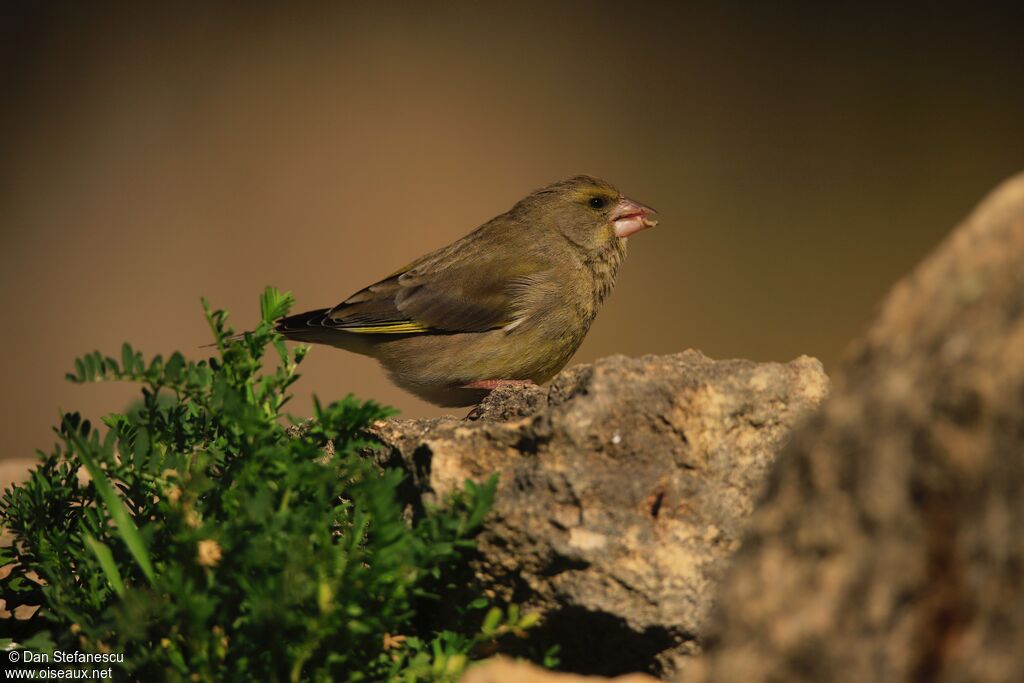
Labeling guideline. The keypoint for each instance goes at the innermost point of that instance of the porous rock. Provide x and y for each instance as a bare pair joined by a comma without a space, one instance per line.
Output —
504,670
890,543
624,486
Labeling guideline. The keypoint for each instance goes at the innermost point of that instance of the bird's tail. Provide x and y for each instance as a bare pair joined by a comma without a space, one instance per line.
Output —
301,324
308,328
299,327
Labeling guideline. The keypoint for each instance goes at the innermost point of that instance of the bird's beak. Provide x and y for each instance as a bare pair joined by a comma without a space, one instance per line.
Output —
629,217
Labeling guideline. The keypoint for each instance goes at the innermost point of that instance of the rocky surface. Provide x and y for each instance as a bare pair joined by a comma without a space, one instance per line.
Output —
890,544
503,670
624,487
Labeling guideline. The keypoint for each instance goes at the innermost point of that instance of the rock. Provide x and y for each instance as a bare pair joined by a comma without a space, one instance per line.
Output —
624,487
503,670
890,542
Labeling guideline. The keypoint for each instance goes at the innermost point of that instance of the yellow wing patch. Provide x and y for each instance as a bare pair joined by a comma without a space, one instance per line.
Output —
404,327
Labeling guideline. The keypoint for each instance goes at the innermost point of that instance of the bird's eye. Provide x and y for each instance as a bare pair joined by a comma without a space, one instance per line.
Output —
598,202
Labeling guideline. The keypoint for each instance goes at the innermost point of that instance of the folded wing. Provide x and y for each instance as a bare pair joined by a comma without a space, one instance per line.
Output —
469,286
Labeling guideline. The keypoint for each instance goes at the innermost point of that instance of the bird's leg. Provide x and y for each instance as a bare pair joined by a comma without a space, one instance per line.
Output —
495,383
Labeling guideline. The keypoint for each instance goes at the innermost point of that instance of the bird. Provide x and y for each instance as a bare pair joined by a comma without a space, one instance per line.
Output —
509,303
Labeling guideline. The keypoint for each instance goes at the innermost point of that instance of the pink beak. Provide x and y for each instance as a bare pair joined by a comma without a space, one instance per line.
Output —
629,217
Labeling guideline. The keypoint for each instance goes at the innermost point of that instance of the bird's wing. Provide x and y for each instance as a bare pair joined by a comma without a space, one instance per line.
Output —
456,289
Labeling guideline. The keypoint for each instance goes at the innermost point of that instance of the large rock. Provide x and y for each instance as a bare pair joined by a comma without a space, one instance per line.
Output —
503,670
890,544
624,487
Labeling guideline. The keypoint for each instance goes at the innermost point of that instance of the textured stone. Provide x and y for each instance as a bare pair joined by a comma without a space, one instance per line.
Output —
890,543
624,487
503,670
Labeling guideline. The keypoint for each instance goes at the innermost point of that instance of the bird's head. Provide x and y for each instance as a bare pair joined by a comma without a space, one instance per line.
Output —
587,210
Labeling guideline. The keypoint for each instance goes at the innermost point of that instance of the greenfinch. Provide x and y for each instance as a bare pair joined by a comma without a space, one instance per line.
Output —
508,303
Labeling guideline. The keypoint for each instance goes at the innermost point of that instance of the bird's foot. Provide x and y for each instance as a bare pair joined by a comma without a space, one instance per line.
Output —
495,383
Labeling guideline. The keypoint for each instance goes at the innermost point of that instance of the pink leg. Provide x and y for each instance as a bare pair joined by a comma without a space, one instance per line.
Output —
495,383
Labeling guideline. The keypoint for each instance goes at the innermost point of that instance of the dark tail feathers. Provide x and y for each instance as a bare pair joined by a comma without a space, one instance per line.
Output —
290,326
301,322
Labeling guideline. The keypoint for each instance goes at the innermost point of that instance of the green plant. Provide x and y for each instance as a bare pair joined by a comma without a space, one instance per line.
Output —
205,540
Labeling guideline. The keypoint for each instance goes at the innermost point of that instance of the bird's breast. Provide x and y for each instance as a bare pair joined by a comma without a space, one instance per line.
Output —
567,305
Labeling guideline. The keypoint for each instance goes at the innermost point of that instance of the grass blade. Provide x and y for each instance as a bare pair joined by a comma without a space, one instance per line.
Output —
122,518
107,564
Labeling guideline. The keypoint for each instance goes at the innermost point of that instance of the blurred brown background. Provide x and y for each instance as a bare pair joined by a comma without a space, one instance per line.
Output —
802,159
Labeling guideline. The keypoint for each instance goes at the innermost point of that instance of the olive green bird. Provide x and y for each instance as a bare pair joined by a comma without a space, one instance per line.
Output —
508,303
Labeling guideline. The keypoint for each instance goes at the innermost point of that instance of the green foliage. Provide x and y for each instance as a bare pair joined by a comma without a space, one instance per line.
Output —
206,541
